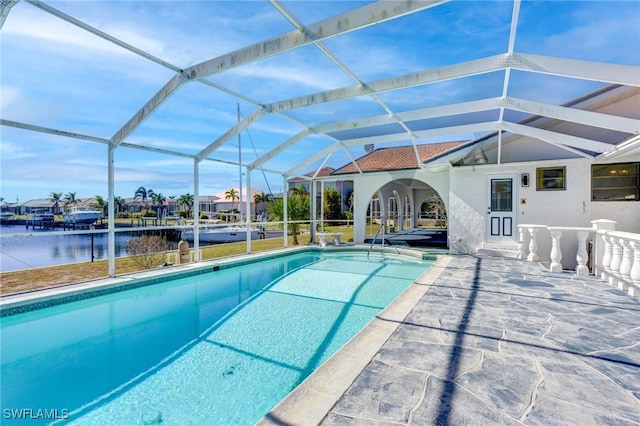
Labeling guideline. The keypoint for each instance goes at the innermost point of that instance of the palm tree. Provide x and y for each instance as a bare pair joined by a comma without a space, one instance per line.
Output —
187,201
101,204
233,195
297,210
299,190
143,194
56,197
261,199
158,200
70,198
118,203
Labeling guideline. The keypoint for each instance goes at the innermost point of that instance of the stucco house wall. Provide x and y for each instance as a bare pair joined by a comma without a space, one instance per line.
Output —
468,201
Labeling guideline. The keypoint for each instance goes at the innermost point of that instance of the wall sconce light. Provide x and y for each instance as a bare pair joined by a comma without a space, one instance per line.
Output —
524,179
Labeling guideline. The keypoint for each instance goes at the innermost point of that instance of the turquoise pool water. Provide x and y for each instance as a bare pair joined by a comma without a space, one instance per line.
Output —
219,348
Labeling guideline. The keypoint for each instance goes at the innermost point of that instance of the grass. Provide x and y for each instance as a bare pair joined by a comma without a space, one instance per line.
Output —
52,276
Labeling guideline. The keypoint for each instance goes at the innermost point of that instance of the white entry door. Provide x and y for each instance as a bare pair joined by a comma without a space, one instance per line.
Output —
501,208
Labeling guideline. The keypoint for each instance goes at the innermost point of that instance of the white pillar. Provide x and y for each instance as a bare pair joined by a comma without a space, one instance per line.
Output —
616,260
285,201
556,253
533,245
521,252
248,210
625,265
196,210
582,255
606,258
314,213
111,238
599,245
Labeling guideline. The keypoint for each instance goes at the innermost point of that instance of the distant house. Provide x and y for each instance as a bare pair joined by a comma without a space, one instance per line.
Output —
218,202
38,204
345,188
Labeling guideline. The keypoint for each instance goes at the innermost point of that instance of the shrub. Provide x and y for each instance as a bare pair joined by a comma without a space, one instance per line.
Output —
204,216
147,251
348,215
183,214
148,213
123,215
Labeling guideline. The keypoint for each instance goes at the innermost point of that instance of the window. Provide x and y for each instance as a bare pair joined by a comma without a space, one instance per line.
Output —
551,179
501,195
615,182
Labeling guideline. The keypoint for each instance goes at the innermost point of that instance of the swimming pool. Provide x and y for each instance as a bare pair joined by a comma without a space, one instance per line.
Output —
221,347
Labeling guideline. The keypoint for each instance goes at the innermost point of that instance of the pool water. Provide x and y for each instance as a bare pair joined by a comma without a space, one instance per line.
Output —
217,348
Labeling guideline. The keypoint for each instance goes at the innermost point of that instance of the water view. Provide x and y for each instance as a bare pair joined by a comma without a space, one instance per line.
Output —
24,252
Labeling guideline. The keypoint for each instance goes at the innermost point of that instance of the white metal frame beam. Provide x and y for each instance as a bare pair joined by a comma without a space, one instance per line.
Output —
580,116
312,159
279,149
440,131
599,71
627,75
558,139
4,10
345,68
350,21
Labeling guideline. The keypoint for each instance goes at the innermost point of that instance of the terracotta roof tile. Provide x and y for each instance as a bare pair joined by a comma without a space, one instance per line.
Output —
396,158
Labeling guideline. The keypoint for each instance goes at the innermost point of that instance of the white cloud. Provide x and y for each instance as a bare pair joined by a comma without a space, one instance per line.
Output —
11,150
43,28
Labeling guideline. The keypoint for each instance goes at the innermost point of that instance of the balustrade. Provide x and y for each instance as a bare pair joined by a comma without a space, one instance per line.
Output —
533,244
556,252
623,270
616,255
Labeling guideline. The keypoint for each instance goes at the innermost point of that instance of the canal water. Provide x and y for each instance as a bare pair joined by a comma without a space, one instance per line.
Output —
24,252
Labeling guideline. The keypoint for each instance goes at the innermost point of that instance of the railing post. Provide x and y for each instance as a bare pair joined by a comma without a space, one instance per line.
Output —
616,260
625,265
521,253
556,253
533,244
581,255
600,251
634,274
606,258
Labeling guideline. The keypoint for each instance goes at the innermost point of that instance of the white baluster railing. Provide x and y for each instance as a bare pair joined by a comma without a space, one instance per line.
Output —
582,234
533,243
623,271
556,253
615,256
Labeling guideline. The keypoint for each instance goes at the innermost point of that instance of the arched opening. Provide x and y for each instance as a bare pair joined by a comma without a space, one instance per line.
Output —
406,212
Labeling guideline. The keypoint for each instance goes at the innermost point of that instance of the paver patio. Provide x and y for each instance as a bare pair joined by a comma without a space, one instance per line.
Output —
501,341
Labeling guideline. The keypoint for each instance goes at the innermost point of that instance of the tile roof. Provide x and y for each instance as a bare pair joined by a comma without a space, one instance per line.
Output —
396,158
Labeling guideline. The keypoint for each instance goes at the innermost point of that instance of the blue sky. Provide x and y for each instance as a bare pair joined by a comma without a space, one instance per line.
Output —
58,76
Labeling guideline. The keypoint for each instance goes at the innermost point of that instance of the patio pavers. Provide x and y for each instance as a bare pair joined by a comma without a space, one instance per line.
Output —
503,341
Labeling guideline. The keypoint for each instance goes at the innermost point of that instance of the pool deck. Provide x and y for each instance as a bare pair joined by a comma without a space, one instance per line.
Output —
484,341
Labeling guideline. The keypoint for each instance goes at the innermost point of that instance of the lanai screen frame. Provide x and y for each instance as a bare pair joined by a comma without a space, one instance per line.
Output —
337,132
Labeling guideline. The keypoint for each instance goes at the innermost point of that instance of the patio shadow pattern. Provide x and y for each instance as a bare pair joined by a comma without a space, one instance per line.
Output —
497,341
